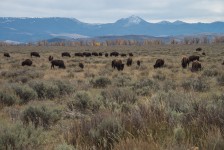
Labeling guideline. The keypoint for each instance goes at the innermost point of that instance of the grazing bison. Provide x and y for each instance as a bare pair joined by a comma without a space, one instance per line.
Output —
196,66
131,54
193,58
114,54
185,62
86,54
203,53
50,58
106,54
159,63
138,63
36,54
129,62
67,54
27,62
59,63
95,54
123,55
6,55
198,49
100,54
79,54
118,64
81,65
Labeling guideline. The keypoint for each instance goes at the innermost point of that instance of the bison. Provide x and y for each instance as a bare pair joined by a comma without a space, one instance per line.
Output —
159,63
106,54
123,55
27,62
100,54
196,66
67,54
131,54
198,49
138,63
193,58
185,62
203,53
223,63
59,63
79,54
87,54
129,62
6,55
118,64
50,58
95,54
114,54
81,65
36,54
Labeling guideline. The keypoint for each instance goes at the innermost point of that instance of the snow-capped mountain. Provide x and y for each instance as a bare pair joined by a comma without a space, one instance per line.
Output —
34,29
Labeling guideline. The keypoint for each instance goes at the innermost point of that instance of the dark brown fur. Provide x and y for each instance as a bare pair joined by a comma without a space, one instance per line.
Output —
159,63
196,66
27,62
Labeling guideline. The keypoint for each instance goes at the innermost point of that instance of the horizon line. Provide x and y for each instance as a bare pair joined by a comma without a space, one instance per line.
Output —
158,21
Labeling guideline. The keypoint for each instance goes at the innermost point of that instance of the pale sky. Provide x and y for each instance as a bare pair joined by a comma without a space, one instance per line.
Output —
106,11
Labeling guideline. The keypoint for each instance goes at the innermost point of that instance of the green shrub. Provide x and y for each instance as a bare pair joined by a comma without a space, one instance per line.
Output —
122,80
107,133
17,137
220,80
45,89
25,93
118,95
82,101
8,98
198,85
65,87
64,146
144,87
41,116
210,72
100,82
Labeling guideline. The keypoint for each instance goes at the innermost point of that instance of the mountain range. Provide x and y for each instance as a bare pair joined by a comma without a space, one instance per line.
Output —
35,29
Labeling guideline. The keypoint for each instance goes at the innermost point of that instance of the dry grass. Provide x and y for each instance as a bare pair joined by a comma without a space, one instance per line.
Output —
101,108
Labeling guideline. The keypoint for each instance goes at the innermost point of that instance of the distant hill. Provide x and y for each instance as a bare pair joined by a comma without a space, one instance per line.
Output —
35,29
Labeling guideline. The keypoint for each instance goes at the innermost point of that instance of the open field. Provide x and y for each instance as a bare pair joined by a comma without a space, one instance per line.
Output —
98,107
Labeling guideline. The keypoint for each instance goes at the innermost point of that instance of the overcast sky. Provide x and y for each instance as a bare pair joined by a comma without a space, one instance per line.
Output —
105,11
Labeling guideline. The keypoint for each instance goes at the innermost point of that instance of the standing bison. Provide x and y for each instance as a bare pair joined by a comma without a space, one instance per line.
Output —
131,54
123,55
159,63
185,62
79,54
117,64
59,63
36,54
81,65
199,49
138,63
114,54
129,62
6,55
50,58
196,66
193,58
67,54
27,62
106,54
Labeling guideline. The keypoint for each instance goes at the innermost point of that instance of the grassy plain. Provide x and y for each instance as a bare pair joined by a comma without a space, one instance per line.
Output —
101,108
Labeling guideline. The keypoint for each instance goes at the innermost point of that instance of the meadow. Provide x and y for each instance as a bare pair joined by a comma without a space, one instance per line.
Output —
101,108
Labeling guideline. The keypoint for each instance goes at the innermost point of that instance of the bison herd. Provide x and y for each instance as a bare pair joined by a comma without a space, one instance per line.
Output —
116,63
